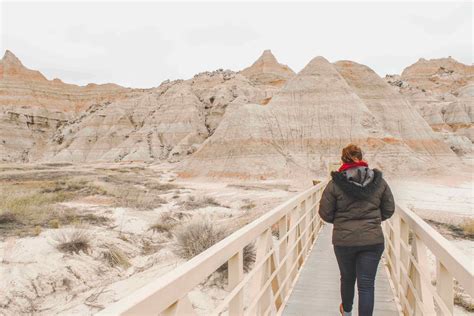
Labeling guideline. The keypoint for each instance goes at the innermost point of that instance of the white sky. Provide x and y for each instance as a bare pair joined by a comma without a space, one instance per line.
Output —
140,44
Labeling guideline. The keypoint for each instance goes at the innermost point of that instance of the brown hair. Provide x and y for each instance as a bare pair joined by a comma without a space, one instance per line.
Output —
350,152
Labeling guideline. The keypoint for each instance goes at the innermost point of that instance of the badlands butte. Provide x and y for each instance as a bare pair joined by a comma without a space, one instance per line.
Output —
262,122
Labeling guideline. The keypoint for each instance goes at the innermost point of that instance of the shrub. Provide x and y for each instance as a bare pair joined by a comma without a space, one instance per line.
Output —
155,186
199,235
54,223
193,203
196,236
464,302
137,199
468,228
7,218
74,241
115,257
248,205
165,223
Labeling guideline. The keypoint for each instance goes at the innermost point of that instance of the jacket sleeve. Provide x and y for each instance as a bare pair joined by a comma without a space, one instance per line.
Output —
387,205
327,204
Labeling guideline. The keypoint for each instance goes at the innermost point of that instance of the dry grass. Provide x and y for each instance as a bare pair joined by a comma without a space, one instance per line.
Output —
160,227
29,203
200,234
21,211
248,205
465,230
196,236
464,302
7,218
113,256
161,187
192,203
149,247
74,241
79,187
168,221
468,228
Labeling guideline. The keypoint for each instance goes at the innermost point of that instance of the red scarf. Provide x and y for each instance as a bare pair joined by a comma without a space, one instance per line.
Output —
348,165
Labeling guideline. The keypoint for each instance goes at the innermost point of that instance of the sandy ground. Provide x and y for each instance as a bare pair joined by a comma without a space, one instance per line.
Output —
39,279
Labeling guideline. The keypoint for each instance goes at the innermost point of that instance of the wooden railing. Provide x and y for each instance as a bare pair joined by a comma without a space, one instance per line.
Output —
264,289
408,239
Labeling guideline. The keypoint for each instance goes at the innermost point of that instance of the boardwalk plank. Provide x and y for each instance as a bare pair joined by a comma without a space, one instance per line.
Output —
317,289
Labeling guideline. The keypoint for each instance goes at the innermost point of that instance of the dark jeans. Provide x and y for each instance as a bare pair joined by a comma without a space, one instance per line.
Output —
358,262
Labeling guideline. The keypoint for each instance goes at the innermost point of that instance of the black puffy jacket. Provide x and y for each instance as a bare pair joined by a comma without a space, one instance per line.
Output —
356,201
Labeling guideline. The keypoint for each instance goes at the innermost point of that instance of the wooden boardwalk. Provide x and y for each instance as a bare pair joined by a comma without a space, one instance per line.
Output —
317,289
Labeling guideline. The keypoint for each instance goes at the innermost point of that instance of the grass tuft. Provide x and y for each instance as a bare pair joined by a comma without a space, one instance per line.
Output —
468,228
200,234
115,257
74,241
192,203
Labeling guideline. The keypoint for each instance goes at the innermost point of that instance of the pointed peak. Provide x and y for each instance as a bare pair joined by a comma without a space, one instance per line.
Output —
317,64
267,70
268,56
10,58
11,67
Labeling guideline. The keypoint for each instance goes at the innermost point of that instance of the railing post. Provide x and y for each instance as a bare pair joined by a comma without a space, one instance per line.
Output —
404,262
419,252
264,243
282,230
396,253
302,227
444,285
235,275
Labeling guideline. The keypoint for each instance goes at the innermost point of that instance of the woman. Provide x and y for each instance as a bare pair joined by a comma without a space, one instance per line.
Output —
356,201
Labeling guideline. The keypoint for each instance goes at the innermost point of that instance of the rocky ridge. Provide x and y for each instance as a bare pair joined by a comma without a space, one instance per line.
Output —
264,121
442,90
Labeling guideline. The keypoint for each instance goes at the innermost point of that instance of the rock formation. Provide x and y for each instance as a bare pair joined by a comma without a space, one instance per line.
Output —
32,107
310,119
442,91
166,123
262,122
267,71
392,110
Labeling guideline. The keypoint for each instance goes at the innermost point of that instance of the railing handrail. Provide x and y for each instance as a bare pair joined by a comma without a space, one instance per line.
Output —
191,273
457,262
173,287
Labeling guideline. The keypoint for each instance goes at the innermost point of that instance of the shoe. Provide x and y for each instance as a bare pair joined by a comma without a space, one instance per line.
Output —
343,313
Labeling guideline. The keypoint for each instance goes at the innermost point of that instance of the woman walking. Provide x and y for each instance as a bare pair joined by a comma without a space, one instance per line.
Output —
356,201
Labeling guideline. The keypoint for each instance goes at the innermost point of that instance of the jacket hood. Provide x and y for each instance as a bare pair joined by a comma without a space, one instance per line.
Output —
359,182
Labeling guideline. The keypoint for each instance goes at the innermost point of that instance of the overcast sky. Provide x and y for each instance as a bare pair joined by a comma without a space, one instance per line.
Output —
140,44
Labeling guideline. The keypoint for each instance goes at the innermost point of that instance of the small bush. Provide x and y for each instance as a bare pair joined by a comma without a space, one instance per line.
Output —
74,241
196,236
168,221
468,228
193,203
199,235
54,223
149,247
8,218
160,227
155,186
248,205
138,200
464,302
115,257
37,230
